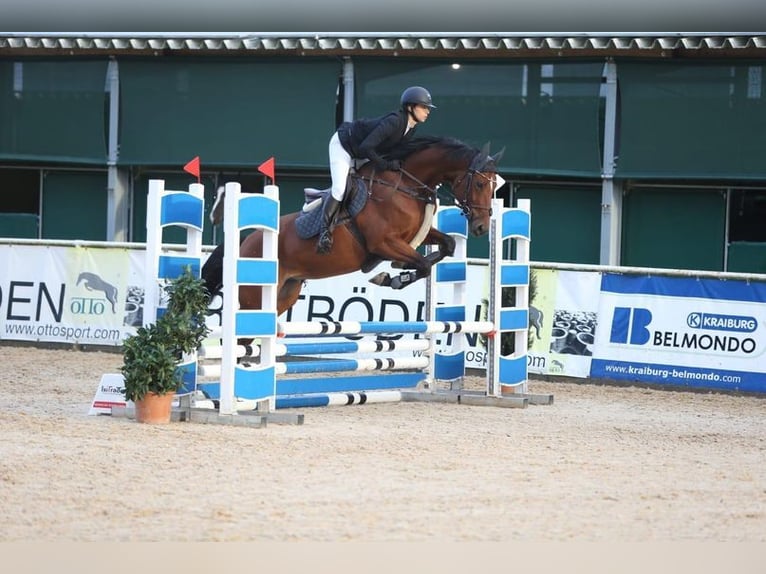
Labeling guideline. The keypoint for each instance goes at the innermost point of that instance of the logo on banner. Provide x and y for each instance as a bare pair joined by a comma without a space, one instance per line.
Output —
94,305
714,322
631,326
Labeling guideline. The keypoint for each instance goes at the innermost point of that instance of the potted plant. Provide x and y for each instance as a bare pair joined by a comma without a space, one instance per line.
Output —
151,356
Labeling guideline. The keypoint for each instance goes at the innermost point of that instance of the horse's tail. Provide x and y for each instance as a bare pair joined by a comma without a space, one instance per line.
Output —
212,271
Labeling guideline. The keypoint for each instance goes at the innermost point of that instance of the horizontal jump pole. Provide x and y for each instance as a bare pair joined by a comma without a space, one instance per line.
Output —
329,365
340,365
369,327
331,347
338,399
328,348
215,351
359,383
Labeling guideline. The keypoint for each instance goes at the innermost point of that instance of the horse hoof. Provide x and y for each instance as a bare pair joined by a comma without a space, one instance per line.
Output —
402,280
382,279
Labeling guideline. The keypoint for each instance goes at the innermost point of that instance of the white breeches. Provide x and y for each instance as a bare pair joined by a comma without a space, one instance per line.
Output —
340,165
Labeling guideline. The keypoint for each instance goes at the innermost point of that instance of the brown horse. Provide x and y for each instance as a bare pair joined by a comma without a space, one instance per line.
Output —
394,221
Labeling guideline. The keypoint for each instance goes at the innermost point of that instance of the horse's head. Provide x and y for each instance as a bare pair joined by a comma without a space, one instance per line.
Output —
475,188
216,212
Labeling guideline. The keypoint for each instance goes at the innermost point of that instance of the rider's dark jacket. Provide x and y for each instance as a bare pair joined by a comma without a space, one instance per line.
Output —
373,138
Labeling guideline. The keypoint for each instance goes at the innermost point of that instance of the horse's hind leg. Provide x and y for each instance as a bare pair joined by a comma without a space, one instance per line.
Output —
288,294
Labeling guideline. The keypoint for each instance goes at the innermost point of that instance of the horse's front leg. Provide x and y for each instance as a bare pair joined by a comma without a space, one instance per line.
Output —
405,256
445,248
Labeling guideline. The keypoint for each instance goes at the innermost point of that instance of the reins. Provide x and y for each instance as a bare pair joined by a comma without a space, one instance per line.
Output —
415,192
424,192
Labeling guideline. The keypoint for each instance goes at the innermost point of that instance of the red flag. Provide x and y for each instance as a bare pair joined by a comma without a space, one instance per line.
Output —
267,168
193,167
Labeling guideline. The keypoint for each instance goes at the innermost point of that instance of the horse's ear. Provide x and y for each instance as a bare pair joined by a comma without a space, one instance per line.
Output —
485,150
498,155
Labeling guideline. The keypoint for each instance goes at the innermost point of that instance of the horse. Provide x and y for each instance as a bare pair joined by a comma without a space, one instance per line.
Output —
395,219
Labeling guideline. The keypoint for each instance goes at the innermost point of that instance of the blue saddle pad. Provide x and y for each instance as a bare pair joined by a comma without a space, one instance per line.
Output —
308,224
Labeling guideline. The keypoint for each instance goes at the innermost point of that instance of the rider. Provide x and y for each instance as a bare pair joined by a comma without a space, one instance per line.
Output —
370,139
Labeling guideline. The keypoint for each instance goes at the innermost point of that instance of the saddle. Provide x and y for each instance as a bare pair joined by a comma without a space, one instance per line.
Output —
309,222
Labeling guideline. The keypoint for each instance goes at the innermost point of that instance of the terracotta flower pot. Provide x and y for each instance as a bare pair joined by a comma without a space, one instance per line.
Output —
154,408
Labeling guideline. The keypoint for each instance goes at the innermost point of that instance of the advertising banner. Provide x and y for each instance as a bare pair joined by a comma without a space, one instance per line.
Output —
682,331
685,331
59,294
563,313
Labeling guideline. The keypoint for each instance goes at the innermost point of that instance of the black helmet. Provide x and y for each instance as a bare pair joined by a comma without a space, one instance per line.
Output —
416,95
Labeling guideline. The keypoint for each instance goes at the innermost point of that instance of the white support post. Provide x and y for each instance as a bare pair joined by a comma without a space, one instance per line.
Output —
495,301
153,249
230,298
268,355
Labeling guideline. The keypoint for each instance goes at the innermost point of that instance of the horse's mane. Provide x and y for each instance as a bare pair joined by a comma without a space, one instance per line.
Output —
454,147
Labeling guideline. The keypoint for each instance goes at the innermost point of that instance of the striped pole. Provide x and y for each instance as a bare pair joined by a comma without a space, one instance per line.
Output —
327,366
328,348
337,399
377,327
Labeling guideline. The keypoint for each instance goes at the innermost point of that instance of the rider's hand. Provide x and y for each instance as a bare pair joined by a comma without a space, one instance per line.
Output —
394,165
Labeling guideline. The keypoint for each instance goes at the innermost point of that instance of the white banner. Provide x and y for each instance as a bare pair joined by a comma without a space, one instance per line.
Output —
85,295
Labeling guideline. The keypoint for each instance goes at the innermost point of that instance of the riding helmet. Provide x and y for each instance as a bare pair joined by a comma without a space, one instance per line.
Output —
416,95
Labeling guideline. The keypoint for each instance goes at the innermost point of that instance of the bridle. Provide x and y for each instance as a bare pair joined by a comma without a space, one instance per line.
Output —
428,194
478,164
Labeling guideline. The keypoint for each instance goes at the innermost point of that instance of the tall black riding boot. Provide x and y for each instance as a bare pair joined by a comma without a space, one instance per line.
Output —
331,206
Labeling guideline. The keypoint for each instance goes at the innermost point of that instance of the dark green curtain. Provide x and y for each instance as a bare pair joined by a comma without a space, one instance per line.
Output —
74,205
24,225
677,229
233,112
566,222
747,257
547,115
700,120
53,111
